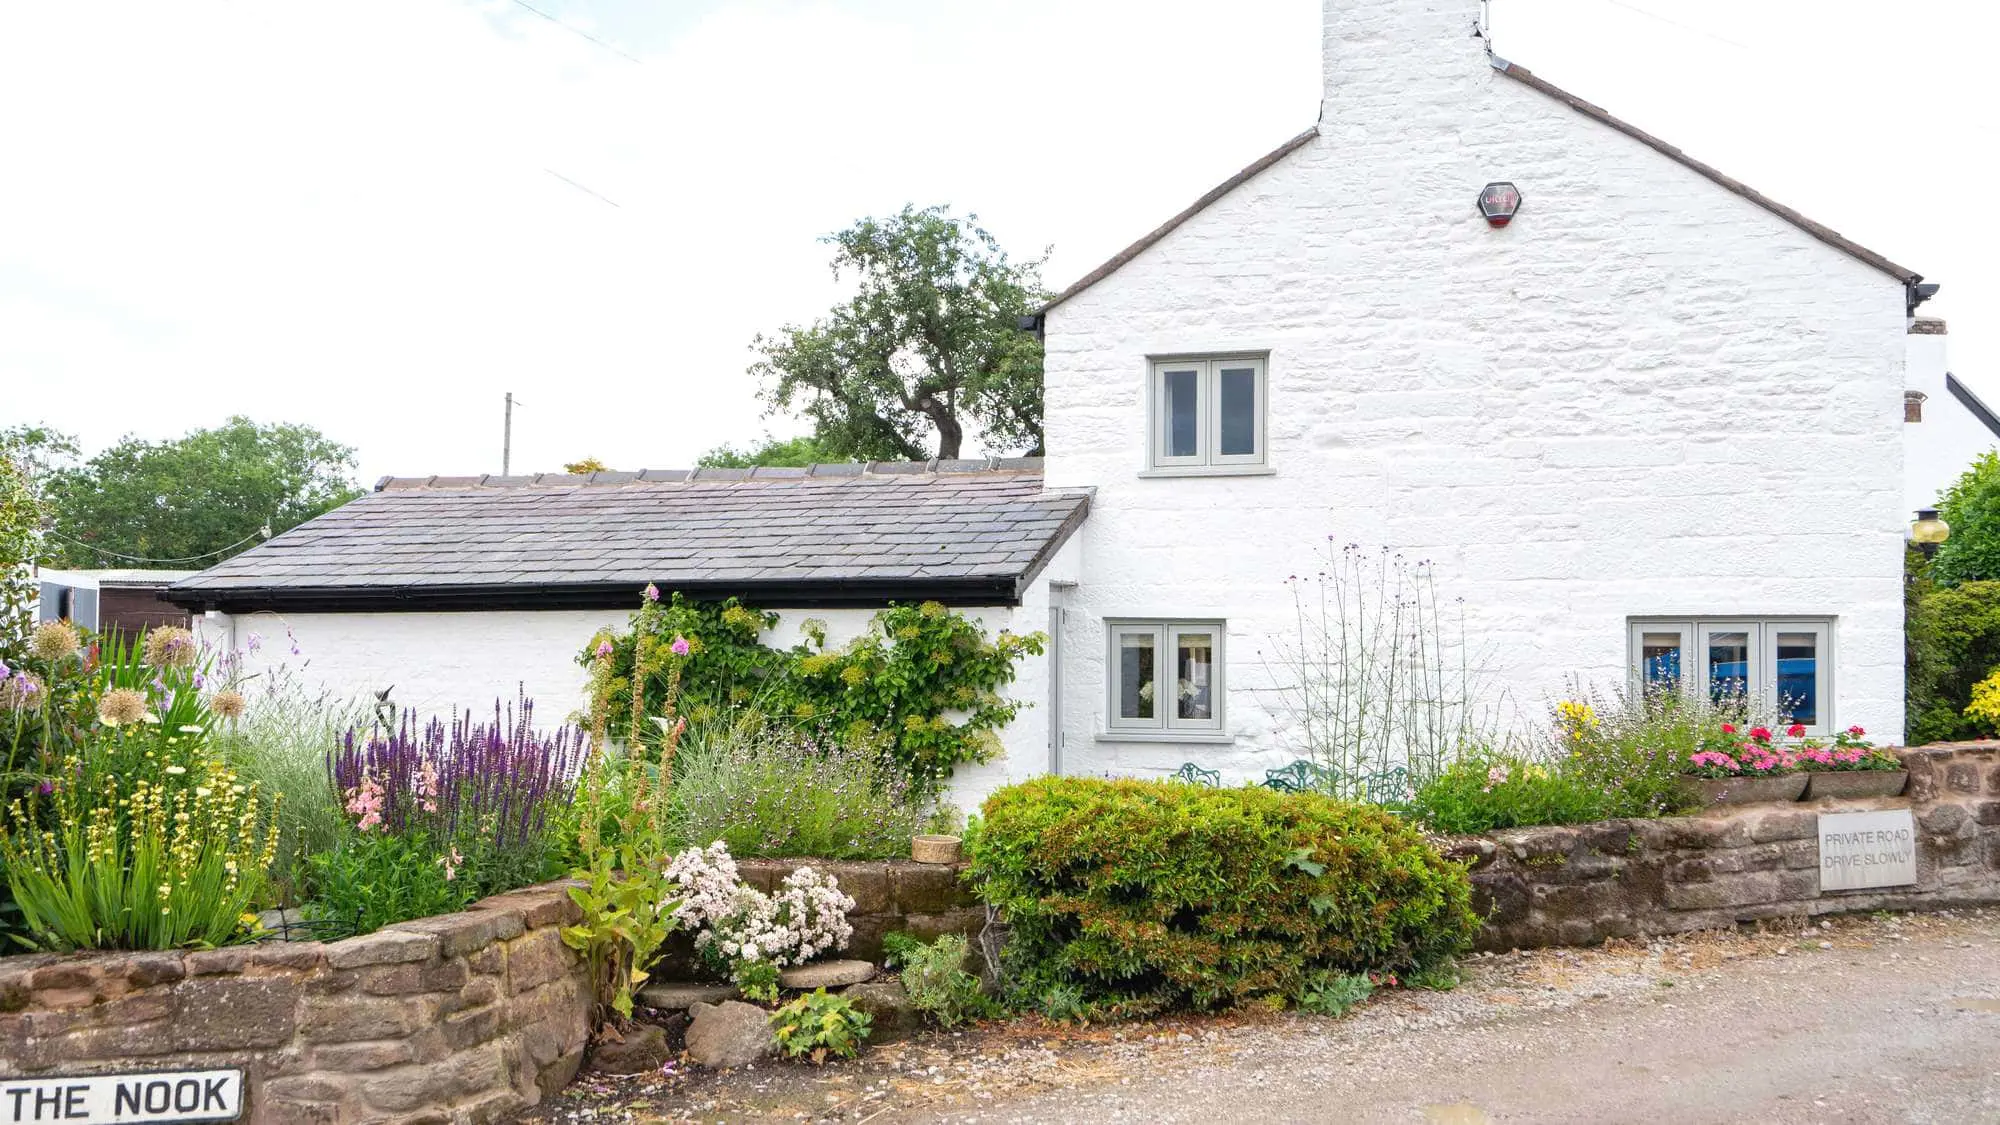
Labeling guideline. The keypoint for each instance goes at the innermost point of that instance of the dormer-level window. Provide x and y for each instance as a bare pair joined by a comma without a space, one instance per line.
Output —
1208,415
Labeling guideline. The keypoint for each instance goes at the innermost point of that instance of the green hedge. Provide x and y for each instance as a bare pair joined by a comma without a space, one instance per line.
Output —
1147,896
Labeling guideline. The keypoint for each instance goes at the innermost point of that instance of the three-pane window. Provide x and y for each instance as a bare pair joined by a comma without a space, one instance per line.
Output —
1780,663
1207,413
1166,675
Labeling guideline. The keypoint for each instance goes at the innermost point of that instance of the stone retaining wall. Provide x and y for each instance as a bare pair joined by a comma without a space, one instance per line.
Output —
454,1020
1582,884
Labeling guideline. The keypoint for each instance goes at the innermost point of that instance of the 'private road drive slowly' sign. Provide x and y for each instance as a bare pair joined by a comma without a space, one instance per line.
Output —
1859,850
170,1096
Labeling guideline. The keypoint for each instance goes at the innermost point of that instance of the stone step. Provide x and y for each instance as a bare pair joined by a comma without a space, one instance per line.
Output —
680,995
827,974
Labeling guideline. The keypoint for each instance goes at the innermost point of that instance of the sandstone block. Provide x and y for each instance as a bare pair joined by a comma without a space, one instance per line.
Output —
1732,890
643,1048
468,930
731,1033
1943,820
468,1028
679,996
826,974
1784,824
923,888
233,1013
413,977
348,1018
893,1016
930,926
351,1058
536,958
866,883
384,947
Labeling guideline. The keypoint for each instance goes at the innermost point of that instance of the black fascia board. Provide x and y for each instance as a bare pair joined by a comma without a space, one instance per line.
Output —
852,593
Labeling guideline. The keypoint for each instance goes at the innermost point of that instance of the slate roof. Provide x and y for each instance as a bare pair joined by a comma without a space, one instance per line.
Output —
961,532
1529,79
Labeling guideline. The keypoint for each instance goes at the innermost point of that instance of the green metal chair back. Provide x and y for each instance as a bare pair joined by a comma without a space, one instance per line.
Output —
1195,775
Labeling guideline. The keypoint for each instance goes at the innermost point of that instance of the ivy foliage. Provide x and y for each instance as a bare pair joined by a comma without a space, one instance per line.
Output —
1148,896
923,681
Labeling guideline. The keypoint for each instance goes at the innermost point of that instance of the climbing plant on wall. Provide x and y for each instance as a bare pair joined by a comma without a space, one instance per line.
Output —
923,680
20,543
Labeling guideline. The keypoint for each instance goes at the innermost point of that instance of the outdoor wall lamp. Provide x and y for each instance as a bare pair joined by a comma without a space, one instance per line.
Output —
1498,202
1929,531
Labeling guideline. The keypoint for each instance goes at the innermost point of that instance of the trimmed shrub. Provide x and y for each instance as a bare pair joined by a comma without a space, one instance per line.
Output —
1151,895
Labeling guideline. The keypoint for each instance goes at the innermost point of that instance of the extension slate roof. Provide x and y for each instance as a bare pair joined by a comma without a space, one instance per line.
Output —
960,532
1529,79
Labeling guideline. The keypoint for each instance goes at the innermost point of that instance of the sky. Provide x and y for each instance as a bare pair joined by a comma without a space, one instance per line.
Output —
380,217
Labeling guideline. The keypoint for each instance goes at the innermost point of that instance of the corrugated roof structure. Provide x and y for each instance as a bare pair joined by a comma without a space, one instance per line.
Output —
960,532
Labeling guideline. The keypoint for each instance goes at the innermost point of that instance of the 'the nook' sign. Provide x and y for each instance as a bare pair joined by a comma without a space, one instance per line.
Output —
181,1095
1859,850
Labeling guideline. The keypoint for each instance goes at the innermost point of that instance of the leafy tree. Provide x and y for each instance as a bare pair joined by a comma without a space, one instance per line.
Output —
198,499
1972,508
587,465
930,342
775,451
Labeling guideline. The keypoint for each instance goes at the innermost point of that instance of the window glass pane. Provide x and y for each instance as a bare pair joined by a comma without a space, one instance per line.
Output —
1728,667
1194,667
1238,410
1135,675
1660,661
1179,410
1798,677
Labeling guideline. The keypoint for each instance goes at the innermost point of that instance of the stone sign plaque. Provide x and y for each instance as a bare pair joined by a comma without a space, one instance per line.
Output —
1859,850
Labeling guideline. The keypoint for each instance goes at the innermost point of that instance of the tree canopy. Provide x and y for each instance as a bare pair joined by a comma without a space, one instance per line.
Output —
195,500
929,344
792,452
1972,508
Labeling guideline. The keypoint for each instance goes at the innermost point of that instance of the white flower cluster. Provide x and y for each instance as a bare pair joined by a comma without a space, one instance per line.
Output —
806,918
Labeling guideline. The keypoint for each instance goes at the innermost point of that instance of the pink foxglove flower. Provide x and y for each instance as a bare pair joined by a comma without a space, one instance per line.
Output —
680,646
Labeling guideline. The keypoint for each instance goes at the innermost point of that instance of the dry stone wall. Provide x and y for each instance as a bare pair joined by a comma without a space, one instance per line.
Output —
1625,878
453,1020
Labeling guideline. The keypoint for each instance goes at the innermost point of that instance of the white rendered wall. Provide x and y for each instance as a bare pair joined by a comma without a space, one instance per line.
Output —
438,661
1646,396
1937,450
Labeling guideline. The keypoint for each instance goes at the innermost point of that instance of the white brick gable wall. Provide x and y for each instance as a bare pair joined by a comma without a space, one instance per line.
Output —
1647,396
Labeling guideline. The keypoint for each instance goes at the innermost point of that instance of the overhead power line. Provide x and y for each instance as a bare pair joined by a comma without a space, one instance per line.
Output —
261,533
576,31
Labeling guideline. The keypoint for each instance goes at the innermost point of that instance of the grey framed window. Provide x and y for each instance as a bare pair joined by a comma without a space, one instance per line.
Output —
1165,677
1784,663
1207,413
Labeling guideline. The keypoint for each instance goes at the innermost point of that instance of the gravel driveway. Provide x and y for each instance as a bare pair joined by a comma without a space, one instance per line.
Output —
1885,1019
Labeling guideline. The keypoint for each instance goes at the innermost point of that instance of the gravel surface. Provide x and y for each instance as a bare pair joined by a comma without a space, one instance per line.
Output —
1869,1019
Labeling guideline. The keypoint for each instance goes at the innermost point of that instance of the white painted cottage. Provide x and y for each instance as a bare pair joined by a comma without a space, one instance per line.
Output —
1946,426
1652,425
1654,422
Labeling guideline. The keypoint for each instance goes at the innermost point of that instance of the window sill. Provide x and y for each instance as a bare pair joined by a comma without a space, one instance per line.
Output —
1210,471
1191,737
